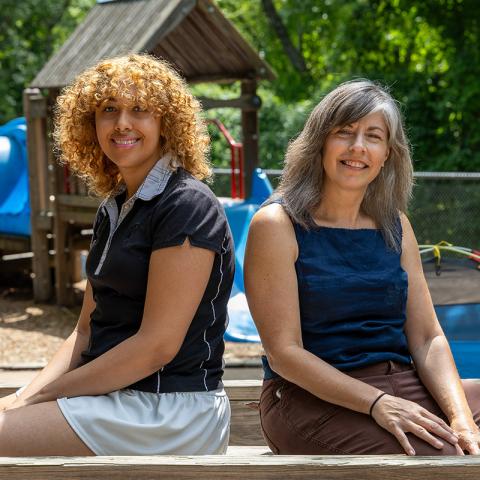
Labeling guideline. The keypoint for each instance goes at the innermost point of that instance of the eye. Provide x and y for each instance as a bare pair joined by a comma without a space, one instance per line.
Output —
375,136
108,108
138,108
344,131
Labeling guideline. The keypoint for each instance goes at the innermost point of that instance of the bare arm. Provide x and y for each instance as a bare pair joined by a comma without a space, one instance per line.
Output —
430,350
177,280
271,288
65,359
272,292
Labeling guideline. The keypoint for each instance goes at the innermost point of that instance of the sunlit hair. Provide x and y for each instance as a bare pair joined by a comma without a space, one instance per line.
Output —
301,183
141,80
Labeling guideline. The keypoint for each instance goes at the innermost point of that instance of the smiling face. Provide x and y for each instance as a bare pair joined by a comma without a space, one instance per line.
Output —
129,135
354,154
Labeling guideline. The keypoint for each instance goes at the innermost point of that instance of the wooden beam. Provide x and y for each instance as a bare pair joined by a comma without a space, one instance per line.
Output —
249,136
245,390
11,243
35,109
78,201
245,102
241,466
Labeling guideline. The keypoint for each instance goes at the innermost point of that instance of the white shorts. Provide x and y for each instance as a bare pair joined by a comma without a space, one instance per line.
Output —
131,422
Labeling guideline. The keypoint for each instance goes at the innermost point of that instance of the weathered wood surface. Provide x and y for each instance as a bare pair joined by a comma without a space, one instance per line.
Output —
236,465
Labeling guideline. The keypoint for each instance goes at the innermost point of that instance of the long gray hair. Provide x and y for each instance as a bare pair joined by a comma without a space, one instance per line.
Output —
301,183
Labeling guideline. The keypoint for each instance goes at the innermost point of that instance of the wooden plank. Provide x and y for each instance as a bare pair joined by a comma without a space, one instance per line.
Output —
10,243
237,466
77,216
80,201
246,102
35,112
246,390
63,279
245,424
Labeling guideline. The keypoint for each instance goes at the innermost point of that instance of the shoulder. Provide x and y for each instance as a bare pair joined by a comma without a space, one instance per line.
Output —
187,197
184,187
272,216
410,254
272,229
408,236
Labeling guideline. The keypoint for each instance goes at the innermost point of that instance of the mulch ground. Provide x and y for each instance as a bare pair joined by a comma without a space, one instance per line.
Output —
30,333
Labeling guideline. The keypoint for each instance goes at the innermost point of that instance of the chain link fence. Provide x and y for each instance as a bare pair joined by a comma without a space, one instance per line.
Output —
445,205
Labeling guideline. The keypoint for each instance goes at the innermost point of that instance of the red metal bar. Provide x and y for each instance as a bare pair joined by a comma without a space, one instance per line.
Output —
236,178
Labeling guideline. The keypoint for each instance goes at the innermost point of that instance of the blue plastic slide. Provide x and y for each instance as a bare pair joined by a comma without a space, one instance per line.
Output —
241,327
14,193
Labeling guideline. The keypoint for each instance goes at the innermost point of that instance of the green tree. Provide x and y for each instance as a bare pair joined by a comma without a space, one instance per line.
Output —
30,31
426,52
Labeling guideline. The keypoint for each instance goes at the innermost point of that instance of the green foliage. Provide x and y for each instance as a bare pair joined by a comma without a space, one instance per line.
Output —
425,51
30,31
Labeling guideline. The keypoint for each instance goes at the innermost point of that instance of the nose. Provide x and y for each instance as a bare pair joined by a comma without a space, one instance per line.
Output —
123,122
358,143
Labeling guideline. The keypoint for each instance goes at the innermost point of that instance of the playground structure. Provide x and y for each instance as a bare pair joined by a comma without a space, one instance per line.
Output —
60,206
198,41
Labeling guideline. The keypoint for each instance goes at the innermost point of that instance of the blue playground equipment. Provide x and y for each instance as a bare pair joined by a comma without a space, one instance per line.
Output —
239,214
457,303
14,194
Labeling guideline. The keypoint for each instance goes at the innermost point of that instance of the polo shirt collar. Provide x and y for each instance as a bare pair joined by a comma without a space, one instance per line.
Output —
153,185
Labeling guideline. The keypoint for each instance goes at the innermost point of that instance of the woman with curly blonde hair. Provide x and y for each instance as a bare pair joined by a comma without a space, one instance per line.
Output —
141,372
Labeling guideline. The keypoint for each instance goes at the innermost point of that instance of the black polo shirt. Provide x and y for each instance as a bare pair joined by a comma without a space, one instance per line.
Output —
167,208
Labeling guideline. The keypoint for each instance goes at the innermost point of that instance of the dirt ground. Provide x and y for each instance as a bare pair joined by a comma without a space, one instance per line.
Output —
30,333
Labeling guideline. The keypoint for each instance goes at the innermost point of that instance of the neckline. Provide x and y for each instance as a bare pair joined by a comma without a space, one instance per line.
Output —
319,227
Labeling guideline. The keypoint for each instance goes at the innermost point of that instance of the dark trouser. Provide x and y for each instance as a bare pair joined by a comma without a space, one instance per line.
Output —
296,422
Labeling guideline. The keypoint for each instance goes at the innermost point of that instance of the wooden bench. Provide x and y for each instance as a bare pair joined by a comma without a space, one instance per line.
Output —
245,422
243,463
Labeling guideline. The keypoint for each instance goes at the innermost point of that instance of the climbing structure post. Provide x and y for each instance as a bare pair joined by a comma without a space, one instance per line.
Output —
35,109
249,135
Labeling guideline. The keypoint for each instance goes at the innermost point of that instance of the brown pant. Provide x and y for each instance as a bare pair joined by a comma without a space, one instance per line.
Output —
296,422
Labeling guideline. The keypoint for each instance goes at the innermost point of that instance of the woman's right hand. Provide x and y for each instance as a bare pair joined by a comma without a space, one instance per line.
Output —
6,402
399,416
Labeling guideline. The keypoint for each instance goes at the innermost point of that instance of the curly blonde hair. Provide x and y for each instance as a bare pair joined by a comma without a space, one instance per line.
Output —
146,81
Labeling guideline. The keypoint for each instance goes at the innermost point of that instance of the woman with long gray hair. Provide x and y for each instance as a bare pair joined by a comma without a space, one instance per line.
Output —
356,361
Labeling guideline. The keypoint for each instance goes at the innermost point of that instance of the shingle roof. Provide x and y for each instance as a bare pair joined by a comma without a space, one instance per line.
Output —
193,35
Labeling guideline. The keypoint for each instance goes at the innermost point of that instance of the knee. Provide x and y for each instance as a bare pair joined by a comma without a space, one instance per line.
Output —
472,393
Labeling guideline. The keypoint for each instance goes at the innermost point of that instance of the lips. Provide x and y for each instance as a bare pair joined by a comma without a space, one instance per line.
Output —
354,164
125,141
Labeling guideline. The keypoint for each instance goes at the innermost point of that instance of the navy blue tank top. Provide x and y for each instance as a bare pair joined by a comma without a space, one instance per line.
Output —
353,293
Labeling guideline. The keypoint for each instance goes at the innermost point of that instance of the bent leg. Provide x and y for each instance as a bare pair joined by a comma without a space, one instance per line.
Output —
472,392
296,422
38,430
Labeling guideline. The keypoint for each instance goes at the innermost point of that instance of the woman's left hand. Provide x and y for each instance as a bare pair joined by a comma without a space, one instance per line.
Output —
468,435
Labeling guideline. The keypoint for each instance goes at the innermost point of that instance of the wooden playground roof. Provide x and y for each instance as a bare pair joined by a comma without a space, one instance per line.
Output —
193,35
